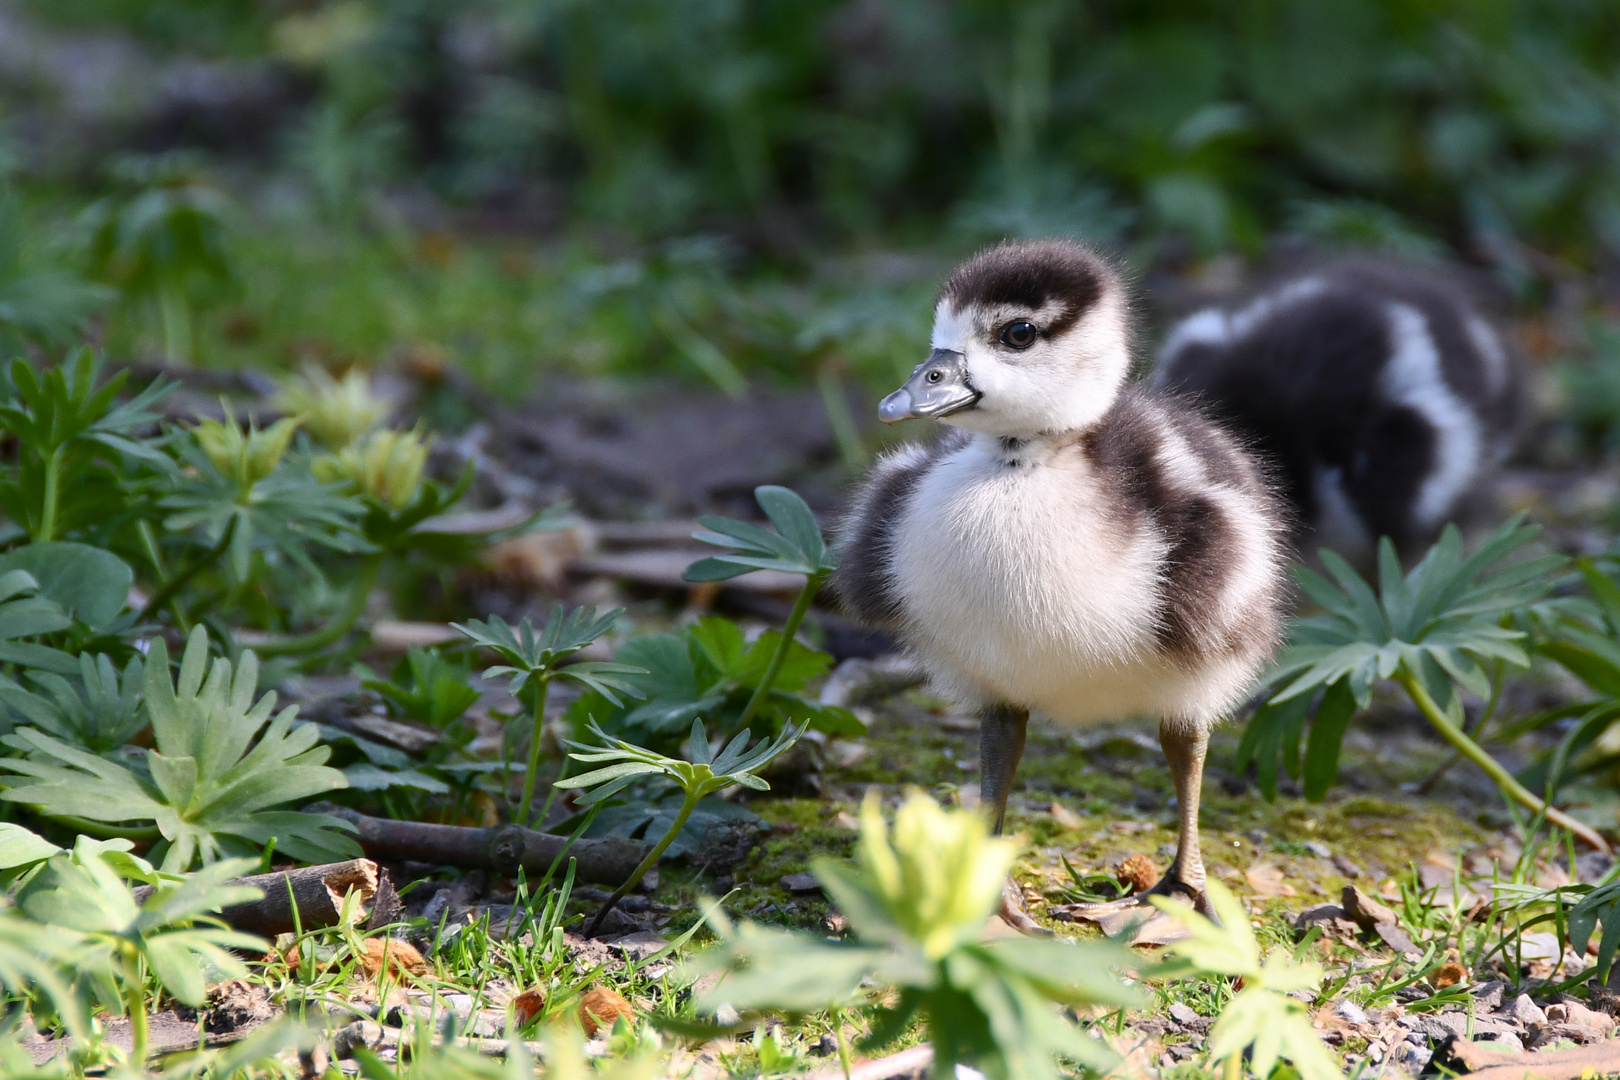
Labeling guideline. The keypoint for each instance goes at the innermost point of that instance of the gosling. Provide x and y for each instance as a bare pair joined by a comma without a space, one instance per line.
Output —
1072,544
1379,391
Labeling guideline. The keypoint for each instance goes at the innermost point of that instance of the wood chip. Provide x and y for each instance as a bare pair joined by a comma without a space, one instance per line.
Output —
1066,818
1267,880
1483,1063
1364,910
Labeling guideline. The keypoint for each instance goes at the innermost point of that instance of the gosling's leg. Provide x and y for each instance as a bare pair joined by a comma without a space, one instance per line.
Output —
1185,746
1001,746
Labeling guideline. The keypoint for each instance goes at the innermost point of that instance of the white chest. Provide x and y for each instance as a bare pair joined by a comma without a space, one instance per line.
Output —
1023,580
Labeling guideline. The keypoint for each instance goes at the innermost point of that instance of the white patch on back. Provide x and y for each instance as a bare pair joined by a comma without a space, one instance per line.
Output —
1212,326
1492,357
1412,377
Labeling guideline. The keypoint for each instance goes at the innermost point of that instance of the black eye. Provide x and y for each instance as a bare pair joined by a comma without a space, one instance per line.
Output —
934,376
1019,335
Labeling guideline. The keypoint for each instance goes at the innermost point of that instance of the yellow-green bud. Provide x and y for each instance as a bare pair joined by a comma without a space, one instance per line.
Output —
384,465
244,457
335,412
939,872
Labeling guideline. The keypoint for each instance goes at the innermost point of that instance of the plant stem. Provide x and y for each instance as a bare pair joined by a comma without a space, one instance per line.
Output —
340,625
687,806
136,1003
53,484
525,808
812,585
843,1043
169,588
1473,752
176,312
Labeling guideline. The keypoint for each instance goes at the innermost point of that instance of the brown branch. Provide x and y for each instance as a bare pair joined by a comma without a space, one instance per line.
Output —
318,890
503,849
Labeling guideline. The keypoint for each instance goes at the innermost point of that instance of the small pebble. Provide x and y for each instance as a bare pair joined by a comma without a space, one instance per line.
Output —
1183,1014
1320,850
1525,1011
1350,1011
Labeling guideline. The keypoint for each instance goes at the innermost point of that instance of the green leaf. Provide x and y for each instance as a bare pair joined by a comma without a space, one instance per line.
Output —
1328,726
19,847
220,764
88,582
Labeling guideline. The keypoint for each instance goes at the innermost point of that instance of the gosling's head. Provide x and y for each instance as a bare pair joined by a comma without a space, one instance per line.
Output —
1029,339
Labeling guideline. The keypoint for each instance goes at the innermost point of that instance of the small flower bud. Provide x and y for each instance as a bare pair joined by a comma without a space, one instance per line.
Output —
384,465
335,412
244,457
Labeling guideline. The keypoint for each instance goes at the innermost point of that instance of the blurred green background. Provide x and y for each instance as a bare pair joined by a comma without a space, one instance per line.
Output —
730,191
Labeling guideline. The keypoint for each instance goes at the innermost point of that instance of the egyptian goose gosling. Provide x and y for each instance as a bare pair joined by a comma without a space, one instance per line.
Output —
1378,390
1073,544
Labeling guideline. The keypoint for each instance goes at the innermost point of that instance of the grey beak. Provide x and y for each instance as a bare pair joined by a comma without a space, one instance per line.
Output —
938,387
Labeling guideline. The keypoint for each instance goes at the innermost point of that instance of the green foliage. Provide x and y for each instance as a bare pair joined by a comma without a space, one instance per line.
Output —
1435,630
242,496
162,238
796,548
1261,1019
532,662
622,764
109,940
25,614
917,902
89,583
427,688
219,766
99,713
73,437
708,669
43,305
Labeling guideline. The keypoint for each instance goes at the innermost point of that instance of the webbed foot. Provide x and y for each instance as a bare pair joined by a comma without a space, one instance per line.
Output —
1153,927
1013,914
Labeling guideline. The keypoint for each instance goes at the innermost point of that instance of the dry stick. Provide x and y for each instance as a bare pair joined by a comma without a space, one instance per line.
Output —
318,892
1493,768
608,860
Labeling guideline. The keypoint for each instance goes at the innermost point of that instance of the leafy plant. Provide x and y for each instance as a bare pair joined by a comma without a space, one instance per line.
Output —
796,548
427,688
705,774
219,766
708,669
532,661
114,940
69,433
243,495
1261,1018
167,234
99,714
24,614
1434,632
39,304
917,902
